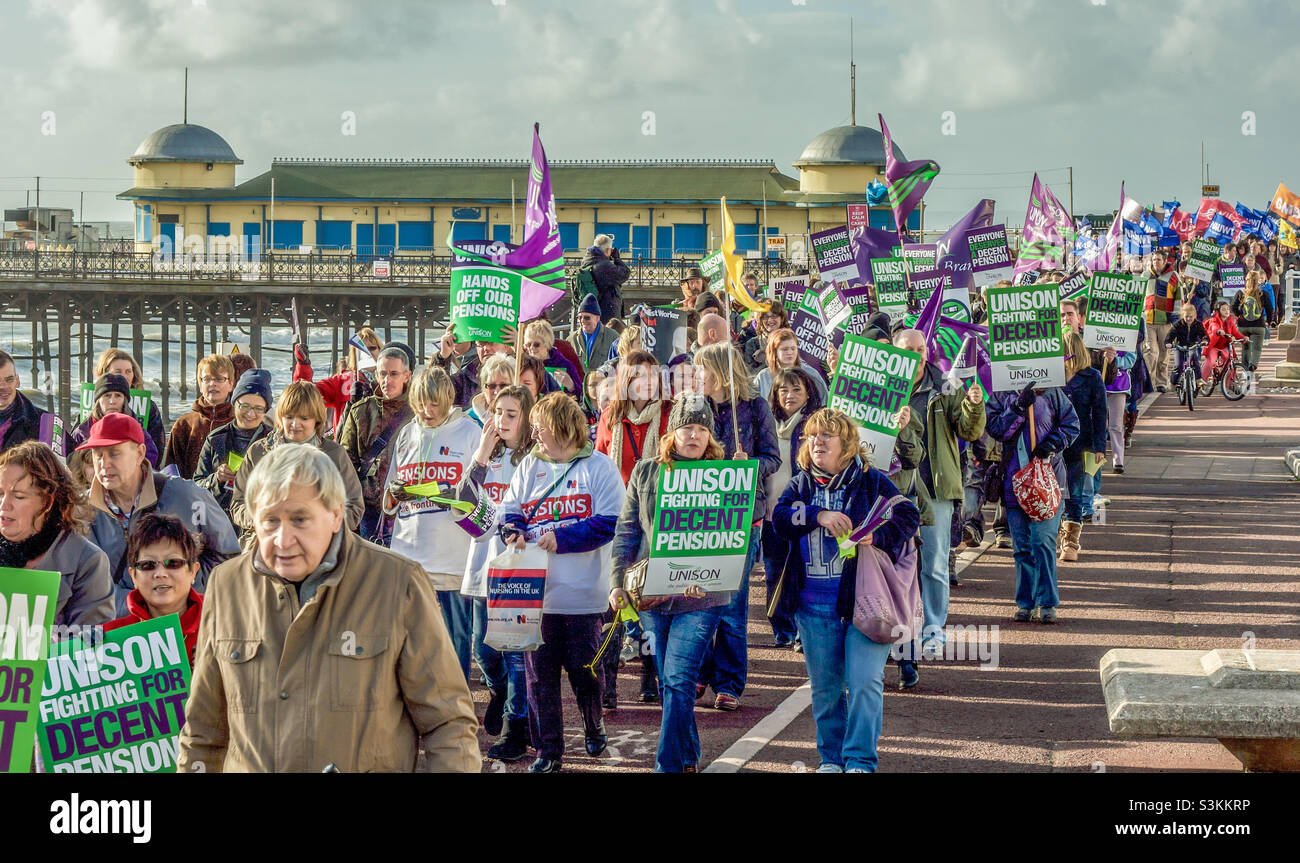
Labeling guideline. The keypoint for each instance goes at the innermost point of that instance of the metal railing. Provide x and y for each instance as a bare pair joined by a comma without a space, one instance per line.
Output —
403,269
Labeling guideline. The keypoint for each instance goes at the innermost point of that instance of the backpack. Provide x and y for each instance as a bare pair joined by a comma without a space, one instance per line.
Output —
584,283
1251,309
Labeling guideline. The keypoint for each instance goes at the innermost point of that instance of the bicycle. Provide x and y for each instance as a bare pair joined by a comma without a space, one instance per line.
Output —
1187,384
1228,374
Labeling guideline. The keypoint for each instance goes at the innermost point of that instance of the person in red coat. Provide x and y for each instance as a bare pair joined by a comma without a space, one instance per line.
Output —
163,559
630,427
1219,328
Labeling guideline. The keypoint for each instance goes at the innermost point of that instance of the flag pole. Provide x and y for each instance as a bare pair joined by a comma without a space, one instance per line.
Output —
731,351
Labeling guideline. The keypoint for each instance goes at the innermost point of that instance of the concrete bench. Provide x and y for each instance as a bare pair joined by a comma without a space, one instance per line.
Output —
1248,700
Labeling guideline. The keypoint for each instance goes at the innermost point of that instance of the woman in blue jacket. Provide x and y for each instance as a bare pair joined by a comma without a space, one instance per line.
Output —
751,435
1087,394
1033,543
832,493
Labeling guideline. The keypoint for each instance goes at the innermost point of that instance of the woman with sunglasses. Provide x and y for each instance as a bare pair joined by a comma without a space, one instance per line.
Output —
224,450
496,373
163,559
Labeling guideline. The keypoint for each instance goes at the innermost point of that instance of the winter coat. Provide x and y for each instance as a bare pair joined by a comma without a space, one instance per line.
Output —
138,612
185,443
945,418
85,583
632,538
1184,335
763,381
353,509
757,440
1161,293
365,422
31,423
602,346
168,495
216,452
339,391
1087,395
82,433
638,442
1218,331
1055,423
1266,310
796,517
557,360
363,675
608,274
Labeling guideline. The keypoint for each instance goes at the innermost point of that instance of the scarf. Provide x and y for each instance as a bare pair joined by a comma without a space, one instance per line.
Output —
19,554
821,477
652,413
785,427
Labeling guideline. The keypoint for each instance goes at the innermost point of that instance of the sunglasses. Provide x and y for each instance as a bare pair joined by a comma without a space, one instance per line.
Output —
171,563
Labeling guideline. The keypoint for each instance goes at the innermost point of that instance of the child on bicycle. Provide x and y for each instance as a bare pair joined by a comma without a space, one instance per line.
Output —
1220,328
1186,335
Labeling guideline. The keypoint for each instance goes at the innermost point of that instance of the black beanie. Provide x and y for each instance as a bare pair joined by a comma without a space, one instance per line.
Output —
111,383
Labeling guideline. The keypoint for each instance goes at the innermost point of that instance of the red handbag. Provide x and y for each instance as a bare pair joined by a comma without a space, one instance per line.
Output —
1035,485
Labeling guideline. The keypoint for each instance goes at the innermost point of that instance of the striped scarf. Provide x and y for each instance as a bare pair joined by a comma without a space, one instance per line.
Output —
651,413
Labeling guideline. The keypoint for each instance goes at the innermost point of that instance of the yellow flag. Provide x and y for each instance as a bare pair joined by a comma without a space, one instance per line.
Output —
734,267
1286,235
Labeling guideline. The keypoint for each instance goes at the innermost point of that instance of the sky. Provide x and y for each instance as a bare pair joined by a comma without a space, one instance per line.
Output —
990,89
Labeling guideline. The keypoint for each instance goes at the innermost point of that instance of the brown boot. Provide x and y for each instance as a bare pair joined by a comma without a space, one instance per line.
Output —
1070,549
1060,541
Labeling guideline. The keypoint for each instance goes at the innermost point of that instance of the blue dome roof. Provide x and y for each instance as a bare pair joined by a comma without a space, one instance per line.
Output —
185,142
846,145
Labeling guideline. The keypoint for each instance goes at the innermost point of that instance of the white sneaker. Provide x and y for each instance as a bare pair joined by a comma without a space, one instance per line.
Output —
1101,501
932,650
631,650
857,770
830,768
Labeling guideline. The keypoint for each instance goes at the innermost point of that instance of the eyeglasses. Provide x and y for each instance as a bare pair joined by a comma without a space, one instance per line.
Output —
824,437
208,381
246,408
537,432
495,386
171,564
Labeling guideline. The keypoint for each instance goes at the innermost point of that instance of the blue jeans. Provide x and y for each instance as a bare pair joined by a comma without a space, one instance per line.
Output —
932,569
725,660
679,644
456,612
1033,546
839,658
1079,486
501,668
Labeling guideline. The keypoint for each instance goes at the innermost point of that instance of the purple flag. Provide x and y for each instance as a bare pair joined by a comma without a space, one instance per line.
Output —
906,182
1047,226
868,243
952,252
1108,254
944,336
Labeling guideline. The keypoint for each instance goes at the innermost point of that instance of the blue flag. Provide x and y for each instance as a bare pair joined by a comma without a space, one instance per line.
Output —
1170,207
1252,219
1221,229
1149,224
1268,228
1136,240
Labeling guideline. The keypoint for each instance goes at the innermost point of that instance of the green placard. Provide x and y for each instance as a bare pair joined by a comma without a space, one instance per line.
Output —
234,460
703,514
137,405
872,382
484,298
1205,255
712,266
1025,337
27,600
117,706
889,275
1114,311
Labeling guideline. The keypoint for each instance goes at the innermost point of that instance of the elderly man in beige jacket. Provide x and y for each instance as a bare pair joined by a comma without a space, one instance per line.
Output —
320,651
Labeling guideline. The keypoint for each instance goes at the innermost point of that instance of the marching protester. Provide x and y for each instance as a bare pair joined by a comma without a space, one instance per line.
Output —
224,450
1220,329
215,379
608,273
112,395
794,398
20,420
1161,293
1087,394
125,489
115,361
783,353
318,651
565,497
370,426
435,446
344,389
43,525
937,485
832,494
743,424
163,559
681,625
506,439
539,342
497,373
1253,310
628,432
299,418
1033,534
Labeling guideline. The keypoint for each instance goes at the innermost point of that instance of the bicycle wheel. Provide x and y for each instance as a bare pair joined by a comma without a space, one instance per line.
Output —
1189,383
1182,390
1234,382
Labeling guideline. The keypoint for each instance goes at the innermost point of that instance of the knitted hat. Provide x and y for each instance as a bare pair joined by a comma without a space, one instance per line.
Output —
589,305
690,409
255,382
707,300
111,383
